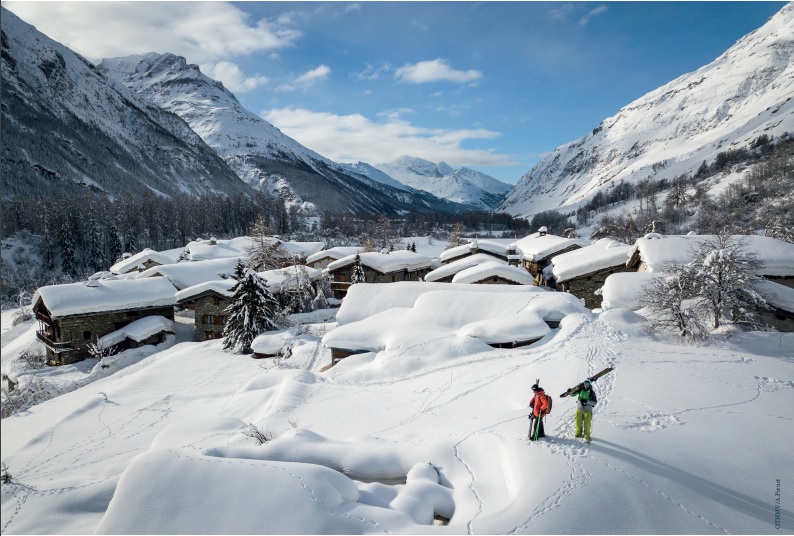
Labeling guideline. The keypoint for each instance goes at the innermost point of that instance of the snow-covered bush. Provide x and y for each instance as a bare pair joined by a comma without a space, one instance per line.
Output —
23,397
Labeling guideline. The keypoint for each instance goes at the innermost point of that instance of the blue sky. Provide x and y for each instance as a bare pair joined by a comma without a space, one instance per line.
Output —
493,86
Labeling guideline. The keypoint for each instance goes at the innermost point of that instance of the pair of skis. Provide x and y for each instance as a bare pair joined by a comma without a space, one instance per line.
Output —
593,378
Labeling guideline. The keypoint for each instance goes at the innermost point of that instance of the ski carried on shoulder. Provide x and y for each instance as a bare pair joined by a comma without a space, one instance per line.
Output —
591,378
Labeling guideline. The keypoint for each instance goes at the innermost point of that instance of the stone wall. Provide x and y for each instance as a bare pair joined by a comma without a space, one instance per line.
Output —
83,330
585,287
344,275
210,306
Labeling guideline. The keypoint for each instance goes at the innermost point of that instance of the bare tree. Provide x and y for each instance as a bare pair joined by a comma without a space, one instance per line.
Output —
670,298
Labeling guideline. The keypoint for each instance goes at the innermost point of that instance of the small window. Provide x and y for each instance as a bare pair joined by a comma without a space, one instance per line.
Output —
221,320
87,335
216,300
209,319
209,335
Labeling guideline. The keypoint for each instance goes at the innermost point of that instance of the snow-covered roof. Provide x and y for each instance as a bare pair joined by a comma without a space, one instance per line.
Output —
494,247
447,270
656,250
303,249
493,269
385,262
138,260
335,253
622,290
487,316
187,274
541,247
105,295
605,253
139,330
367,299
219,286
277,280
204,249
777,295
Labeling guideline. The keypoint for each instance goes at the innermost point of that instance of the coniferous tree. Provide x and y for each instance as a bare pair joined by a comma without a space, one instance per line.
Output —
67,248
251,312
96,250
358,272
115,245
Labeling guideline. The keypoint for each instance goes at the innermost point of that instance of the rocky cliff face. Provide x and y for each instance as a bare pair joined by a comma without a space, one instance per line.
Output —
258,152
66,126
745,93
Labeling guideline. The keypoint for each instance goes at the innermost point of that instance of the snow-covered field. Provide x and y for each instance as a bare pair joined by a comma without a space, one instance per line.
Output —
686,439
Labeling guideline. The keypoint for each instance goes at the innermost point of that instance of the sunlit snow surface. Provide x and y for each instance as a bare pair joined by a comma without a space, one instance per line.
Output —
687,439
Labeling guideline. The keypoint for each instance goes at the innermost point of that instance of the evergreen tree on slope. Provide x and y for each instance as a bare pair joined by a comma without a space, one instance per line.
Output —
358,272
251,312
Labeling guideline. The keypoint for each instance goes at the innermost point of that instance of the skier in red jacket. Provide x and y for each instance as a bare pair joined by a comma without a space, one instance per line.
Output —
540,408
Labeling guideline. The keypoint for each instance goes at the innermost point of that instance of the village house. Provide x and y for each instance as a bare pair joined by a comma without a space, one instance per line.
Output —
653,251
149,330
445,272
322,259
73,316
539,248
143,260
505,251
780,300
493,273
208,300
188,274
583,271
487,314
386,267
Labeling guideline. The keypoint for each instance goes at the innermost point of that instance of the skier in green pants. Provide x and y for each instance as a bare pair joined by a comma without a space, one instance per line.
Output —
585,401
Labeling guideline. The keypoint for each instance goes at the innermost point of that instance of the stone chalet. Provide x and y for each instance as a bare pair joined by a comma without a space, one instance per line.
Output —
400,265
209,299
583,271
141,261
507,252
75,315
653,251
445,272
538,249
322,259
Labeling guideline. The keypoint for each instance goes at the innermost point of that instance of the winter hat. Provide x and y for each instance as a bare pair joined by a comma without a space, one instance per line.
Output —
536,387
586,382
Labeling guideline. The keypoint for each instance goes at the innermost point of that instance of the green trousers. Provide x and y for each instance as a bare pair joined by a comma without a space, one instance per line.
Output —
585,417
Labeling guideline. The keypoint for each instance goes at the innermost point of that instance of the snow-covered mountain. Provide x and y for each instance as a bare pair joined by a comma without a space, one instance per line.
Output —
64,124
258,152
461,185
743,94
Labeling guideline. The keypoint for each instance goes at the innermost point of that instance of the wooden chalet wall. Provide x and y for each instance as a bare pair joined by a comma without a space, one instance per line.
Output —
343,276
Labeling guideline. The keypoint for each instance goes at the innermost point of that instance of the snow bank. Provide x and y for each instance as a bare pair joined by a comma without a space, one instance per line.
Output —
605,253
106,295
272,342
488,269
623,290
366,299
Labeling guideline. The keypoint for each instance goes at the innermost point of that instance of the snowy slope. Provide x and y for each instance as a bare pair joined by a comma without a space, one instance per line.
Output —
71,126
687,440
257,151
741,95
461,185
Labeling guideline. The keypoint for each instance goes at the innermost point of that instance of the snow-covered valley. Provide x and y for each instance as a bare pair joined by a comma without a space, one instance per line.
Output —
686,439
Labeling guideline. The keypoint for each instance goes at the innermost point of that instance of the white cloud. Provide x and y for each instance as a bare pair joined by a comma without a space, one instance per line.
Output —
435,71
314,75
593,13
232,77
352,138
202,32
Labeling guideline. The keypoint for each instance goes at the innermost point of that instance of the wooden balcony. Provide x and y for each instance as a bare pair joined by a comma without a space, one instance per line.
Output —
52,345
340,286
